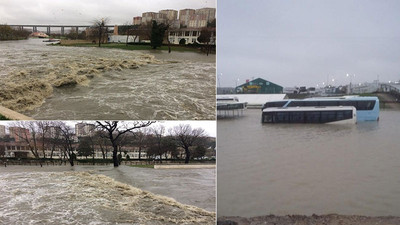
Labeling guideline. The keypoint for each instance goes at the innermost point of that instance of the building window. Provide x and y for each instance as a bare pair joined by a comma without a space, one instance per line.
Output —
194,33
187,33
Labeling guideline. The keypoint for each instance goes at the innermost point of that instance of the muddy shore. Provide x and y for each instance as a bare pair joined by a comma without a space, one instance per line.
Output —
330,219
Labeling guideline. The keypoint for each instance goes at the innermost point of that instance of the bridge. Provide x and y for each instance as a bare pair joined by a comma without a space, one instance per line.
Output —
62,27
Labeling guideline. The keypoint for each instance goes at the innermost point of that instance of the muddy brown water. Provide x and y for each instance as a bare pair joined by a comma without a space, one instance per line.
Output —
106,195
54,82
306,169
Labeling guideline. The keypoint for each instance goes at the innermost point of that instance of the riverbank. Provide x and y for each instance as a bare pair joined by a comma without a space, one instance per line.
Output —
71,197
165,164
131,47
330,219
8,114
198,189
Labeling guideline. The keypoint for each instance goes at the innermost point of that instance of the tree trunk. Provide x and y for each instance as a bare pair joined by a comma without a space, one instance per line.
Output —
71,161
100,34
115,157
187,155
127,37
140,151
51,154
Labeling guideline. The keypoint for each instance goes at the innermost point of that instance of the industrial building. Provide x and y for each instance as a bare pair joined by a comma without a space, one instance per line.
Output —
259,86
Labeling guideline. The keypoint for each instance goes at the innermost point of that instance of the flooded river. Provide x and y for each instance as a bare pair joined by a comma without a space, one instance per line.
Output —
106,195
54,82
308,168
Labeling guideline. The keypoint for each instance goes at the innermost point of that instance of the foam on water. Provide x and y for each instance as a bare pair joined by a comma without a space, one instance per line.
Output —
87,198
53,82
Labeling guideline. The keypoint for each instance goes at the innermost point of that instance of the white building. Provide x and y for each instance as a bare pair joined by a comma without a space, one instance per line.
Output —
190,35
122,39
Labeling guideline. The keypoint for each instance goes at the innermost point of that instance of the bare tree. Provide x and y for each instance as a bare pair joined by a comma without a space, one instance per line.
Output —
100,30
67,141
101,139
54,139
157,134
43,128
141,139
115,130
187,137
27,132
205,37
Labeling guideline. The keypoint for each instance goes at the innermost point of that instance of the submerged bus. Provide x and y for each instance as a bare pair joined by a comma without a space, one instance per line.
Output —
318,114
367,108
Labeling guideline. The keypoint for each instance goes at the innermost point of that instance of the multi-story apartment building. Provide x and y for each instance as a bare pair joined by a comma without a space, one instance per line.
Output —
201,17
208,13
170,14
19,133
2,131
147,17
137,20
197,21
184,16
54,132
84,129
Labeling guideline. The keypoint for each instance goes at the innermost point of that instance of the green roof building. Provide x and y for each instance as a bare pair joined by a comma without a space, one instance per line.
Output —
259,86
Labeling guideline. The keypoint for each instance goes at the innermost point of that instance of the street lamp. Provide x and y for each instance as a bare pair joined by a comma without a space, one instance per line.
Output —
351,78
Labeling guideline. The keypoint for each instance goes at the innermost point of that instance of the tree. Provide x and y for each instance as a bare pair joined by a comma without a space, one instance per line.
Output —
43,127
54,139
2,150
67,142
85,148
182,41
213,23
157,34
157,134
100,30
187,137
101,139
199,151
205,38
169,146
73,34
7,33
115,130
141,139
27,132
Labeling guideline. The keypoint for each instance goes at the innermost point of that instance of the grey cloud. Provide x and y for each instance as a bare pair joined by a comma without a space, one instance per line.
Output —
302,42
84,12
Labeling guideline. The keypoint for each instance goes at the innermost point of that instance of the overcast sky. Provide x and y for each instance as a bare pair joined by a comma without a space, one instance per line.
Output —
307,42
209,126
83,12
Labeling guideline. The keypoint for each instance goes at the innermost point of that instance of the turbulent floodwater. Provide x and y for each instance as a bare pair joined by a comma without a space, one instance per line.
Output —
32,196
304,169
54,82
